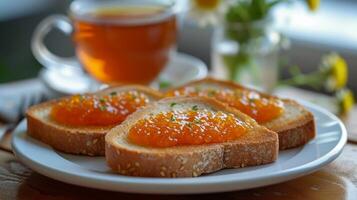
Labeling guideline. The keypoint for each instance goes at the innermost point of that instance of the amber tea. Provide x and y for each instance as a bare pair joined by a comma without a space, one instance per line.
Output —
124,44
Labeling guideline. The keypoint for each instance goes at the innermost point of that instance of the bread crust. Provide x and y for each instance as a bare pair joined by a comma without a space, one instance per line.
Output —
297,136
87,140
258,146
292,132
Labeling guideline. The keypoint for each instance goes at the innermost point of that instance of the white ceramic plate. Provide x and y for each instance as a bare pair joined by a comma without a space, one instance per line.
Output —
93,172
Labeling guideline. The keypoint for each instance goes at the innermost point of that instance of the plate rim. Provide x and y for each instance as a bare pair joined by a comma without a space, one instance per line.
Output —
198,182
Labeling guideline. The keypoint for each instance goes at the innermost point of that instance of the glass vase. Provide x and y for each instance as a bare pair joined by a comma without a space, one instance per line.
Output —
247,53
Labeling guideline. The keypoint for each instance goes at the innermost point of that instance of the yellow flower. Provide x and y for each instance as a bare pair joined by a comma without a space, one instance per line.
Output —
208,5
346,100
207,12
313,4
337,71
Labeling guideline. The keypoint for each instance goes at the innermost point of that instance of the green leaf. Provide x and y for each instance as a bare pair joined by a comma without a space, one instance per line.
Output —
275,2
248,11
238,13
258,9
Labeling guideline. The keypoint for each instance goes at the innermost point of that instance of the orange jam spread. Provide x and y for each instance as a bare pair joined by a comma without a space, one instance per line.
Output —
90,109
259,107
175,128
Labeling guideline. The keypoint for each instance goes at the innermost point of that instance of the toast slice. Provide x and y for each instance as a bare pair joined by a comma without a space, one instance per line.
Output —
85,140
295,127
257,146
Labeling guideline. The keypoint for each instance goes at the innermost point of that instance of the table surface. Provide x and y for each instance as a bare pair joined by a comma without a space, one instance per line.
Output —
337,180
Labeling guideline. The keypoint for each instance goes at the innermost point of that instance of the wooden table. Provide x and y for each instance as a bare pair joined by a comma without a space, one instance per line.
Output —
338,180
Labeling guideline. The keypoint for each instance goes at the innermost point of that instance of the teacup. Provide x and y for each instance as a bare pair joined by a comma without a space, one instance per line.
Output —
116,41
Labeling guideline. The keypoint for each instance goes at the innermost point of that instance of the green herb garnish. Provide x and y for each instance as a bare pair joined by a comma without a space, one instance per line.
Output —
195,108
102,100
133,96
197,121
173,118
211,93
251,100
173,104
113,93
189,124
102,108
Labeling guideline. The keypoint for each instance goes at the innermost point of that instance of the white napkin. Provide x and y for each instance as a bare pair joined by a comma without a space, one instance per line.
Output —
11,95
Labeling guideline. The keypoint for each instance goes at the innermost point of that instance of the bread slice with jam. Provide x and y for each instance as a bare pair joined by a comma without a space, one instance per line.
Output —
80,122
294,124
187,137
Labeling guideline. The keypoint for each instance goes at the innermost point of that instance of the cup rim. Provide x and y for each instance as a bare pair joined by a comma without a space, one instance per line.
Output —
77,7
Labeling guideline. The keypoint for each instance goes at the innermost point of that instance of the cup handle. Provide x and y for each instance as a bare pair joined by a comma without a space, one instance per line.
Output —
40,51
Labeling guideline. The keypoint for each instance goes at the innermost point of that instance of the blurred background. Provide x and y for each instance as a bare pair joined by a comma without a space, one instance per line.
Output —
312,52
332,28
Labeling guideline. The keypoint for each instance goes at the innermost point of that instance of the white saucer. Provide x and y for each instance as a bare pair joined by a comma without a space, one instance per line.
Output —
182,68
93,172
